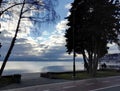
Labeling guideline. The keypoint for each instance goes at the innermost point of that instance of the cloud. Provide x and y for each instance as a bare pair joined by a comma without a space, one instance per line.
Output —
113,48
45,33
25,46
68,6
62,25
68,14
48,46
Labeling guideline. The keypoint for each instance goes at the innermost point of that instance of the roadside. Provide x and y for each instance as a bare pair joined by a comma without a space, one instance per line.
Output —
80,74
32,79
94,84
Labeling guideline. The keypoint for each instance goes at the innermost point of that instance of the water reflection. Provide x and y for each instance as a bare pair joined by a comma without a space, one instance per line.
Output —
53,69
14,67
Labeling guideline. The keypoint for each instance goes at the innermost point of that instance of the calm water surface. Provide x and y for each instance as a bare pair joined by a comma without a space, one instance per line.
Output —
14,67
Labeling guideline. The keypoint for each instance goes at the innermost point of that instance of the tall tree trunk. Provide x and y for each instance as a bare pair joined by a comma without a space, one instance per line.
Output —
0,3
12,42
90,63
94,60
94,65
85,61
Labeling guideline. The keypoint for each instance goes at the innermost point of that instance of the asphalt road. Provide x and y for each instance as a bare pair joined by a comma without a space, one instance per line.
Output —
95,84
111,88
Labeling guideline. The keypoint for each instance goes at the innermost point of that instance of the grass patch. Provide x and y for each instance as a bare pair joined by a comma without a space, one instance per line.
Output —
5,81
81,75
10,79
108,73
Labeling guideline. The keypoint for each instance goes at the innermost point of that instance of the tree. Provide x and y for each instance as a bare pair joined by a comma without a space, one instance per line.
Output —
46,7
0,23
117,15
0,2
93,30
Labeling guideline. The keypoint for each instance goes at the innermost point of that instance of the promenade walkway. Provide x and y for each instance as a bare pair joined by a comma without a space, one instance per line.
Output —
32,79
95,84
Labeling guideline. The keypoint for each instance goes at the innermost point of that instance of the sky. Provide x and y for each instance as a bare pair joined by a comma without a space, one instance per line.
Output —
48,45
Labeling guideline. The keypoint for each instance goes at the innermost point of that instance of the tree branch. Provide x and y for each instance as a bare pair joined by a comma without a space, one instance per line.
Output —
16,5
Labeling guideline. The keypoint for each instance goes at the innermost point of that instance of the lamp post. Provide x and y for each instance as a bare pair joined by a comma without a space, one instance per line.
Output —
74,51
74,65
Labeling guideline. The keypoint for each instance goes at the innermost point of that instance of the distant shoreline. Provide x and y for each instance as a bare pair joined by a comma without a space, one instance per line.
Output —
13,67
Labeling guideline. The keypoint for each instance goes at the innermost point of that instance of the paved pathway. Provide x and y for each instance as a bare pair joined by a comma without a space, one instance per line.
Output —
32,79
98,84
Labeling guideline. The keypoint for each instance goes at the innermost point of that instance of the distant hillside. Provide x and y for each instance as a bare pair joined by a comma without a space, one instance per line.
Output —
111,57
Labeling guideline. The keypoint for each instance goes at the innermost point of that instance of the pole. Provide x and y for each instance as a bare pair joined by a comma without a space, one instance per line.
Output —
74,51
74,66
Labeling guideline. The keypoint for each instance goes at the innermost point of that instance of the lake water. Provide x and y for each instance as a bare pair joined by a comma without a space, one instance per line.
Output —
16,67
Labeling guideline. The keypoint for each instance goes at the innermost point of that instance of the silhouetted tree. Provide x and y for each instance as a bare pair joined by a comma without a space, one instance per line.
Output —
0,2
93,25
117,16
43,11
0,23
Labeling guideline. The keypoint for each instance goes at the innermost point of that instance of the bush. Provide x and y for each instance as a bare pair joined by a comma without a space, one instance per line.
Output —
16,78
9,79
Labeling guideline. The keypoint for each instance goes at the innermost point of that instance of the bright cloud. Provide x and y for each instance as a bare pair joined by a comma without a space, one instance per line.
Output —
62,25
28,48
46,45
113,48
68,6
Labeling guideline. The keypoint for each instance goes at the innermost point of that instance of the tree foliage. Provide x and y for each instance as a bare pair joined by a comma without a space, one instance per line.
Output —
36,11
93,24
0,2
0,23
